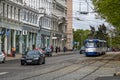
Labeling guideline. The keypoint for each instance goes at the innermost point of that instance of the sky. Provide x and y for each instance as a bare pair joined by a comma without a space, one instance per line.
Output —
82,21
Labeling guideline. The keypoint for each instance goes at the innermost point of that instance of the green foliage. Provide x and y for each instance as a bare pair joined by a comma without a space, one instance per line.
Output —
79,36
110,10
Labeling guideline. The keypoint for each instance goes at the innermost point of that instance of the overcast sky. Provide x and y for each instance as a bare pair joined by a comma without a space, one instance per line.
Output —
85,20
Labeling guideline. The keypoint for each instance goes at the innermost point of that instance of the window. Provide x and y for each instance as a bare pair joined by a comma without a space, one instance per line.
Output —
3,9
90,44
18,14
32,18
11,12
7,10
14,12
24,15
28,16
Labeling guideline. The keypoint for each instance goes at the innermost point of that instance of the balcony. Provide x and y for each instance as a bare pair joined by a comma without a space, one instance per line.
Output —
58,13
62,2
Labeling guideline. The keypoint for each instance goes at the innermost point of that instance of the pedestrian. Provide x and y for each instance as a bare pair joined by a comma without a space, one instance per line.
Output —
4,53
13,51
52,48
28,48
64,48
33,46
59,48
56,49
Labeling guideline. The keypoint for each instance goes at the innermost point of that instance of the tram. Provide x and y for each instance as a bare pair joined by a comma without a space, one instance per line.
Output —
95,47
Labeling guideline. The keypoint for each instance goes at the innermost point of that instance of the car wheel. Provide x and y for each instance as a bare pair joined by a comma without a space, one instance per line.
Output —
51,54
22,63
43,61
39,62
80,52
3,60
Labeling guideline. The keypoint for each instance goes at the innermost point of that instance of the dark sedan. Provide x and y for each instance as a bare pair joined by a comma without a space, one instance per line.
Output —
33,57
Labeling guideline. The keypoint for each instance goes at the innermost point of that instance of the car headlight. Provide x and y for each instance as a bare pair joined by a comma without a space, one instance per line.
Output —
22,58
36,58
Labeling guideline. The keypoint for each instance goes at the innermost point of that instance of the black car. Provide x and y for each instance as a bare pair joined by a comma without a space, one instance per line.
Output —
48,52
33,57
82,50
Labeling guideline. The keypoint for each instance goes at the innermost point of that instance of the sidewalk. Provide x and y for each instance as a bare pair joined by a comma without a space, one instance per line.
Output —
18,56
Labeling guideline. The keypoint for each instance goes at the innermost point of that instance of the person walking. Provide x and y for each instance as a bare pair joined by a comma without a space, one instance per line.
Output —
59,48
64,48
56,49
52,48
13,51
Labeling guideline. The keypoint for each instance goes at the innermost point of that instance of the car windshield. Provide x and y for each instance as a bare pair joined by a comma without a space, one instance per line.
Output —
82,48
33,52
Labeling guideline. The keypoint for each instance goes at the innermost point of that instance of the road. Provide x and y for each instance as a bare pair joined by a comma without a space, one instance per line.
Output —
63,67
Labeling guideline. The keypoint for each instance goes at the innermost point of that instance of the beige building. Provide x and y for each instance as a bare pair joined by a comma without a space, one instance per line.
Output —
69,25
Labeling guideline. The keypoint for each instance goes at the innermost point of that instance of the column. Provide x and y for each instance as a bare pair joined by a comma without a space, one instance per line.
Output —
51,43
33,37
0,41
27,40
31,41
21,41
14,38
46,41
9,42
5,43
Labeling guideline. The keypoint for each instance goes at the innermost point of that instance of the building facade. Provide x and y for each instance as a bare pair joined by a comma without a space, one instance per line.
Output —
69,25
59,26
24,23
18,25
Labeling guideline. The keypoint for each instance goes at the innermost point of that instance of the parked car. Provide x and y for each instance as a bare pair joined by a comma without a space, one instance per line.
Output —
33,57
40,50
2,57
82,50
48,51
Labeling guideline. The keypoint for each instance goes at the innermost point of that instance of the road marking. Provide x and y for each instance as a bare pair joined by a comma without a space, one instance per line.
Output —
2,73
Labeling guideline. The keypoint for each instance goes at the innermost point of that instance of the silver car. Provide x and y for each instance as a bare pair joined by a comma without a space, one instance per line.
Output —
2,57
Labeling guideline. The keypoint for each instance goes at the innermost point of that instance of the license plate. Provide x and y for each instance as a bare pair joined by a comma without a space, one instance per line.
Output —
29,60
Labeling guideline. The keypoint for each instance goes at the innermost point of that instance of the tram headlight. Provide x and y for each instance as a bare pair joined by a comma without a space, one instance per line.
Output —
86,50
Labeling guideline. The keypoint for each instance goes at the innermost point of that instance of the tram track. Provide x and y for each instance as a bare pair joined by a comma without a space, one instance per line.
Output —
89,62
98,67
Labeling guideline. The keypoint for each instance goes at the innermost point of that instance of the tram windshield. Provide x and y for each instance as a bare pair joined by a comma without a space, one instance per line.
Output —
91,44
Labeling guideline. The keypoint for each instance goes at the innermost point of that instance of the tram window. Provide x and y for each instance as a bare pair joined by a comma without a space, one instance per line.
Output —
97,44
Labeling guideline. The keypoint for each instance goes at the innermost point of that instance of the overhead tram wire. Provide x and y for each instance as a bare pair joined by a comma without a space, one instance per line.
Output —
88,6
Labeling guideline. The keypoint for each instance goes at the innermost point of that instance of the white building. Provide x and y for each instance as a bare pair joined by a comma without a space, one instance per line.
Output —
59,23
24,23
18,25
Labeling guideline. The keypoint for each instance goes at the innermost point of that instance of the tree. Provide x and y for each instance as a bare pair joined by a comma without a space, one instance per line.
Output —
80,35
109,10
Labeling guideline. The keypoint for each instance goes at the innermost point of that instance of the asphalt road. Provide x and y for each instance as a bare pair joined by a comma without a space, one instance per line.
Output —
64,67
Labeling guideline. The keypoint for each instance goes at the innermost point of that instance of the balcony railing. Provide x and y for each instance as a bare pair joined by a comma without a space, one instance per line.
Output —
62,2
58,13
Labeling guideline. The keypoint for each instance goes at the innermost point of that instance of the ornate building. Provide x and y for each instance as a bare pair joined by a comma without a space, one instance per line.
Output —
69,25
59,26
19,25
24,23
